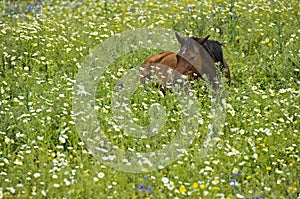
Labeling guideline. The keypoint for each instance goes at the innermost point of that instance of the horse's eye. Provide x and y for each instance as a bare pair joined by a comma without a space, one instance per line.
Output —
192,58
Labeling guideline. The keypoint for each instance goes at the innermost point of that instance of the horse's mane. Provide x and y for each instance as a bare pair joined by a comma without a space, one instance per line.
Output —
214,49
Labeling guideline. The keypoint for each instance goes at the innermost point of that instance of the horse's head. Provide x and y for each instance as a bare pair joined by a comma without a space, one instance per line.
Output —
189,59
181,40
212,47
194,61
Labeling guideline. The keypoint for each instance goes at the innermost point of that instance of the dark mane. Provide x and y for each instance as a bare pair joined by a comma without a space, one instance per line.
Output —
214,49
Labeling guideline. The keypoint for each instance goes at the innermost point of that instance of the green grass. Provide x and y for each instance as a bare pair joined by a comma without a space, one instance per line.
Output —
42,154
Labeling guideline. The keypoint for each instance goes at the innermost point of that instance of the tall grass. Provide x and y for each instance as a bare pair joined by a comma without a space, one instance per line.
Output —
42,48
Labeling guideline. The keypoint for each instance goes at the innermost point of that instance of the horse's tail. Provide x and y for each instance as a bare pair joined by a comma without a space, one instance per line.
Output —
225,65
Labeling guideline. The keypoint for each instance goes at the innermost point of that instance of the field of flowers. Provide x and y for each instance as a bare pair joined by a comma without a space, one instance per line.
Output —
43,45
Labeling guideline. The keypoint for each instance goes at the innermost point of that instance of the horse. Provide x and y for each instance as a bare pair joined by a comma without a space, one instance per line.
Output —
214,49
188,61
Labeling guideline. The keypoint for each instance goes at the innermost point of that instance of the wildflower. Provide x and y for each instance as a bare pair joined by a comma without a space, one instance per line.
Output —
18,162
255,156
170,185
56,185
232,182
44,193
237,174
215,181
235,170
165,180
11,189
62,140
67,182
101,175
40,138
114,183
7,140
36,175
195,185
144,188
96,179
182,189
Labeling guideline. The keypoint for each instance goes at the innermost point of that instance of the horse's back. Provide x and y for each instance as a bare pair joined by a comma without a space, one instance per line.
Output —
165,58
158,65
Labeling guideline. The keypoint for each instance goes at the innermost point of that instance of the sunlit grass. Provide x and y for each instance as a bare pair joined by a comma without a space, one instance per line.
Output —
44,45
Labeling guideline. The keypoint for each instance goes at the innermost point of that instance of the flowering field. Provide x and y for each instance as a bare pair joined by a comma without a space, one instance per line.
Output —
43,45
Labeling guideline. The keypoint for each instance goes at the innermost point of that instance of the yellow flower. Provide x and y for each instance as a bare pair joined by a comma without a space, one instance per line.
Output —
229,196
182,189
202,186
195,185
268,168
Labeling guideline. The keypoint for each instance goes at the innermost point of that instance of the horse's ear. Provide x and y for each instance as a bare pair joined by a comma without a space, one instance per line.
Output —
179,39
203,40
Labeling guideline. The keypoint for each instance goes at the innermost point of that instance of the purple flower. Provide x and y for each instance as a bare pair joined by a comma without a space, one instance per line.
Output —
237,174
30,7
233,183
256,197
190,9
16,8
144,188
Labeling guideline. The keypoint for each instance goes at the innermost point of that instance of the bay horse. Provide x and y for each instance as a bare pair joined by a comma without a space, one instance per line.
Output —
191,60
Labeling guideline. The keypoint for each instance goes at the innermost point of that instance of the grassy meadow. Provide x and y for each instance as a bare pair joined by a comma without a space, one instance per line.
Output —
43,45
